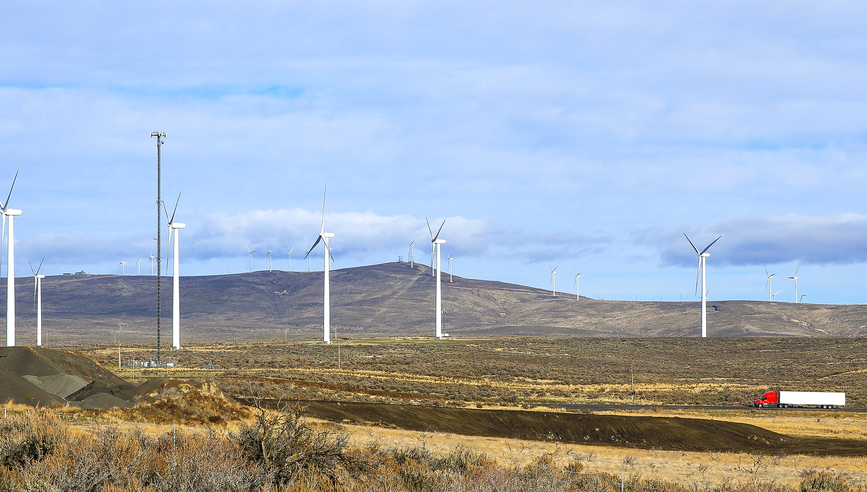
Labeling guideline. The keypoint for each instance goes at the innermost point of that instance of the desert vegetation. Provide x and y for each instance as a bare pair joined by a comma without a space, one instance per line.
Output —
522,370
281,451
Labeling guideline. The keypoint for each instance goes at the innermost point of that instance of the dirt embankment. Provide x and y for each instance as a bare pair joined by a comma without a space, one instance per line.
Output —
663,433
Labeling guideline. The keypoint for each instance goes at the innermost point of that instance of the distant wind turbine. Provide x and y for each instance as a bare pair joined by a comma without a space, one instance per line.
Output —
769,285
251,258
138,261
269,259
450,268
326,301
289,259
795,278
152,264
774,297
577,279
37,294
554,280
10,265
410,254
436,242
702,257
122,267
175,227
803,296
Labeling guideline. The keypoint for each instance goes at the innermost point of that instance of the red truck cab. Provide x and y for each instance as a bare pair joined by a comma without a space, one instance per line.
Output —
769,399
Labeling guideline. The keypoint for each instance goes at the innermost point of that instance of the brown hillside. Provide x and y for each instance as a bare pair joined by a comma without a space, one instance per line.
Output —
391,298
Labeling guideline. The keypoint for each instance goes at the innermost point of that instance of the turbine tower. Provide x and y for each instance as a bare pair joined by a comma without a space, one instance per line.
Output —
269,259
251,258
122,267
324,237
436,242
795,278
10,265
702,257
175,227
554,280
152,264
769,285
37,294
577,278
289,259
138,262
410,253
450,268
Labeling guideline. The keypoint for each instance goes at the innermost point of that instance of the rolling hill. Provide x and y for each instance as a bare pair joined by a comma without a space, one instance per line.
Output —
388,299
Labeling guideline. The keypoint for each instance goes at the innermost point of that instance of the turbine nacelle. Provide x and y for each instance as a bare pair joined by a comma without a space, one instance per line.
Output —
176,225
439,241
11,212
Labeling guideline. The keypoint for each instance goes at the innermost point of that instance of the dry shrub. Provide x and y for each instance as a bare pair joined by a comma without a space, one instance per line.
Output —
29,436
823,481
289,451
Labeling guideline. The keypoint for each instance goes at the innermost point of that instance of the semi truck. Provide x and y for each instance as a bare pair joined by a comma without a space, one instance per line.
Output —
783,399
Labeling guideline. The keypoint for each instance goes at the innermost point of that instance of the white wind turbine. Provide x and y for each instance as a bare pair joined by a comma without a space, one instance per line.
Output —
175,227
554,280
138,262
774,297
10,265
702,257
770,284
436,242
577,279
450,268
795,278
289,259
411,245
269,259
324,237
152,264
37,293
251,258
122,267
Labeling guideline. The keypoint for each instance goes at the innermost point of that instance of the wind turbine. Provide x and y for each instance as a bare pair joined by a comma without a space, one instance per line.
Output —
436,242
251,258
10,266
37,294
775,294
269,259
795,278
410,253
702,257
802,297
577,279
152,264
175,227
289,259
450,268
769,284
122,267
324,237
554,280
138,261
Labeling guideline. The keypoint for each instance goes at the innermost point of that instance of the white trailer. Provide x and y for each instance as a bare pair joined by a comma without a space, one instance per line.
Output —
782,399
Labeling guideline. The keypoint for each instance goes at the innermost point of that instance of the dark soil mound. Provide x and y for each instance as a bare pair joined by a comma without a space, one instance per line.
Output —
40,361
666,433
16,389
102,401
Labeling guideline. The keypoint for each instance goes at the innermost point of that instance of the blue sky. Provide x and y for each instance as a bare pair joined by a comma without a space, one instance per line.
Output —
570,134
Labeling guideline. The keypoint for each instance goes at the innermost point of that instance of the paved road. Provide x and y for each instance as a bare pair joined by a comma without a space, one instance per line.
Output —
604,408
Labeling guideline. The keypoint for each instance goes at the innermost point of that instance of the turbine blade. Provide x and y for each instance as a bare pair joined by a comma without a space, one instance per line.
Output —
796,270
697,275
2,241
766,272
440,229
691,244
311,247
6,203
429,229
711,244
322,227
166,212
31,268
172,220
248,248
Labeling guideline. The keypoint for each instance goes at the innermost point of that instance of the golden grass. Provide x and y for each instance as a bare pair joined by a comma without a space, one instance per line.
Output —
676,466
